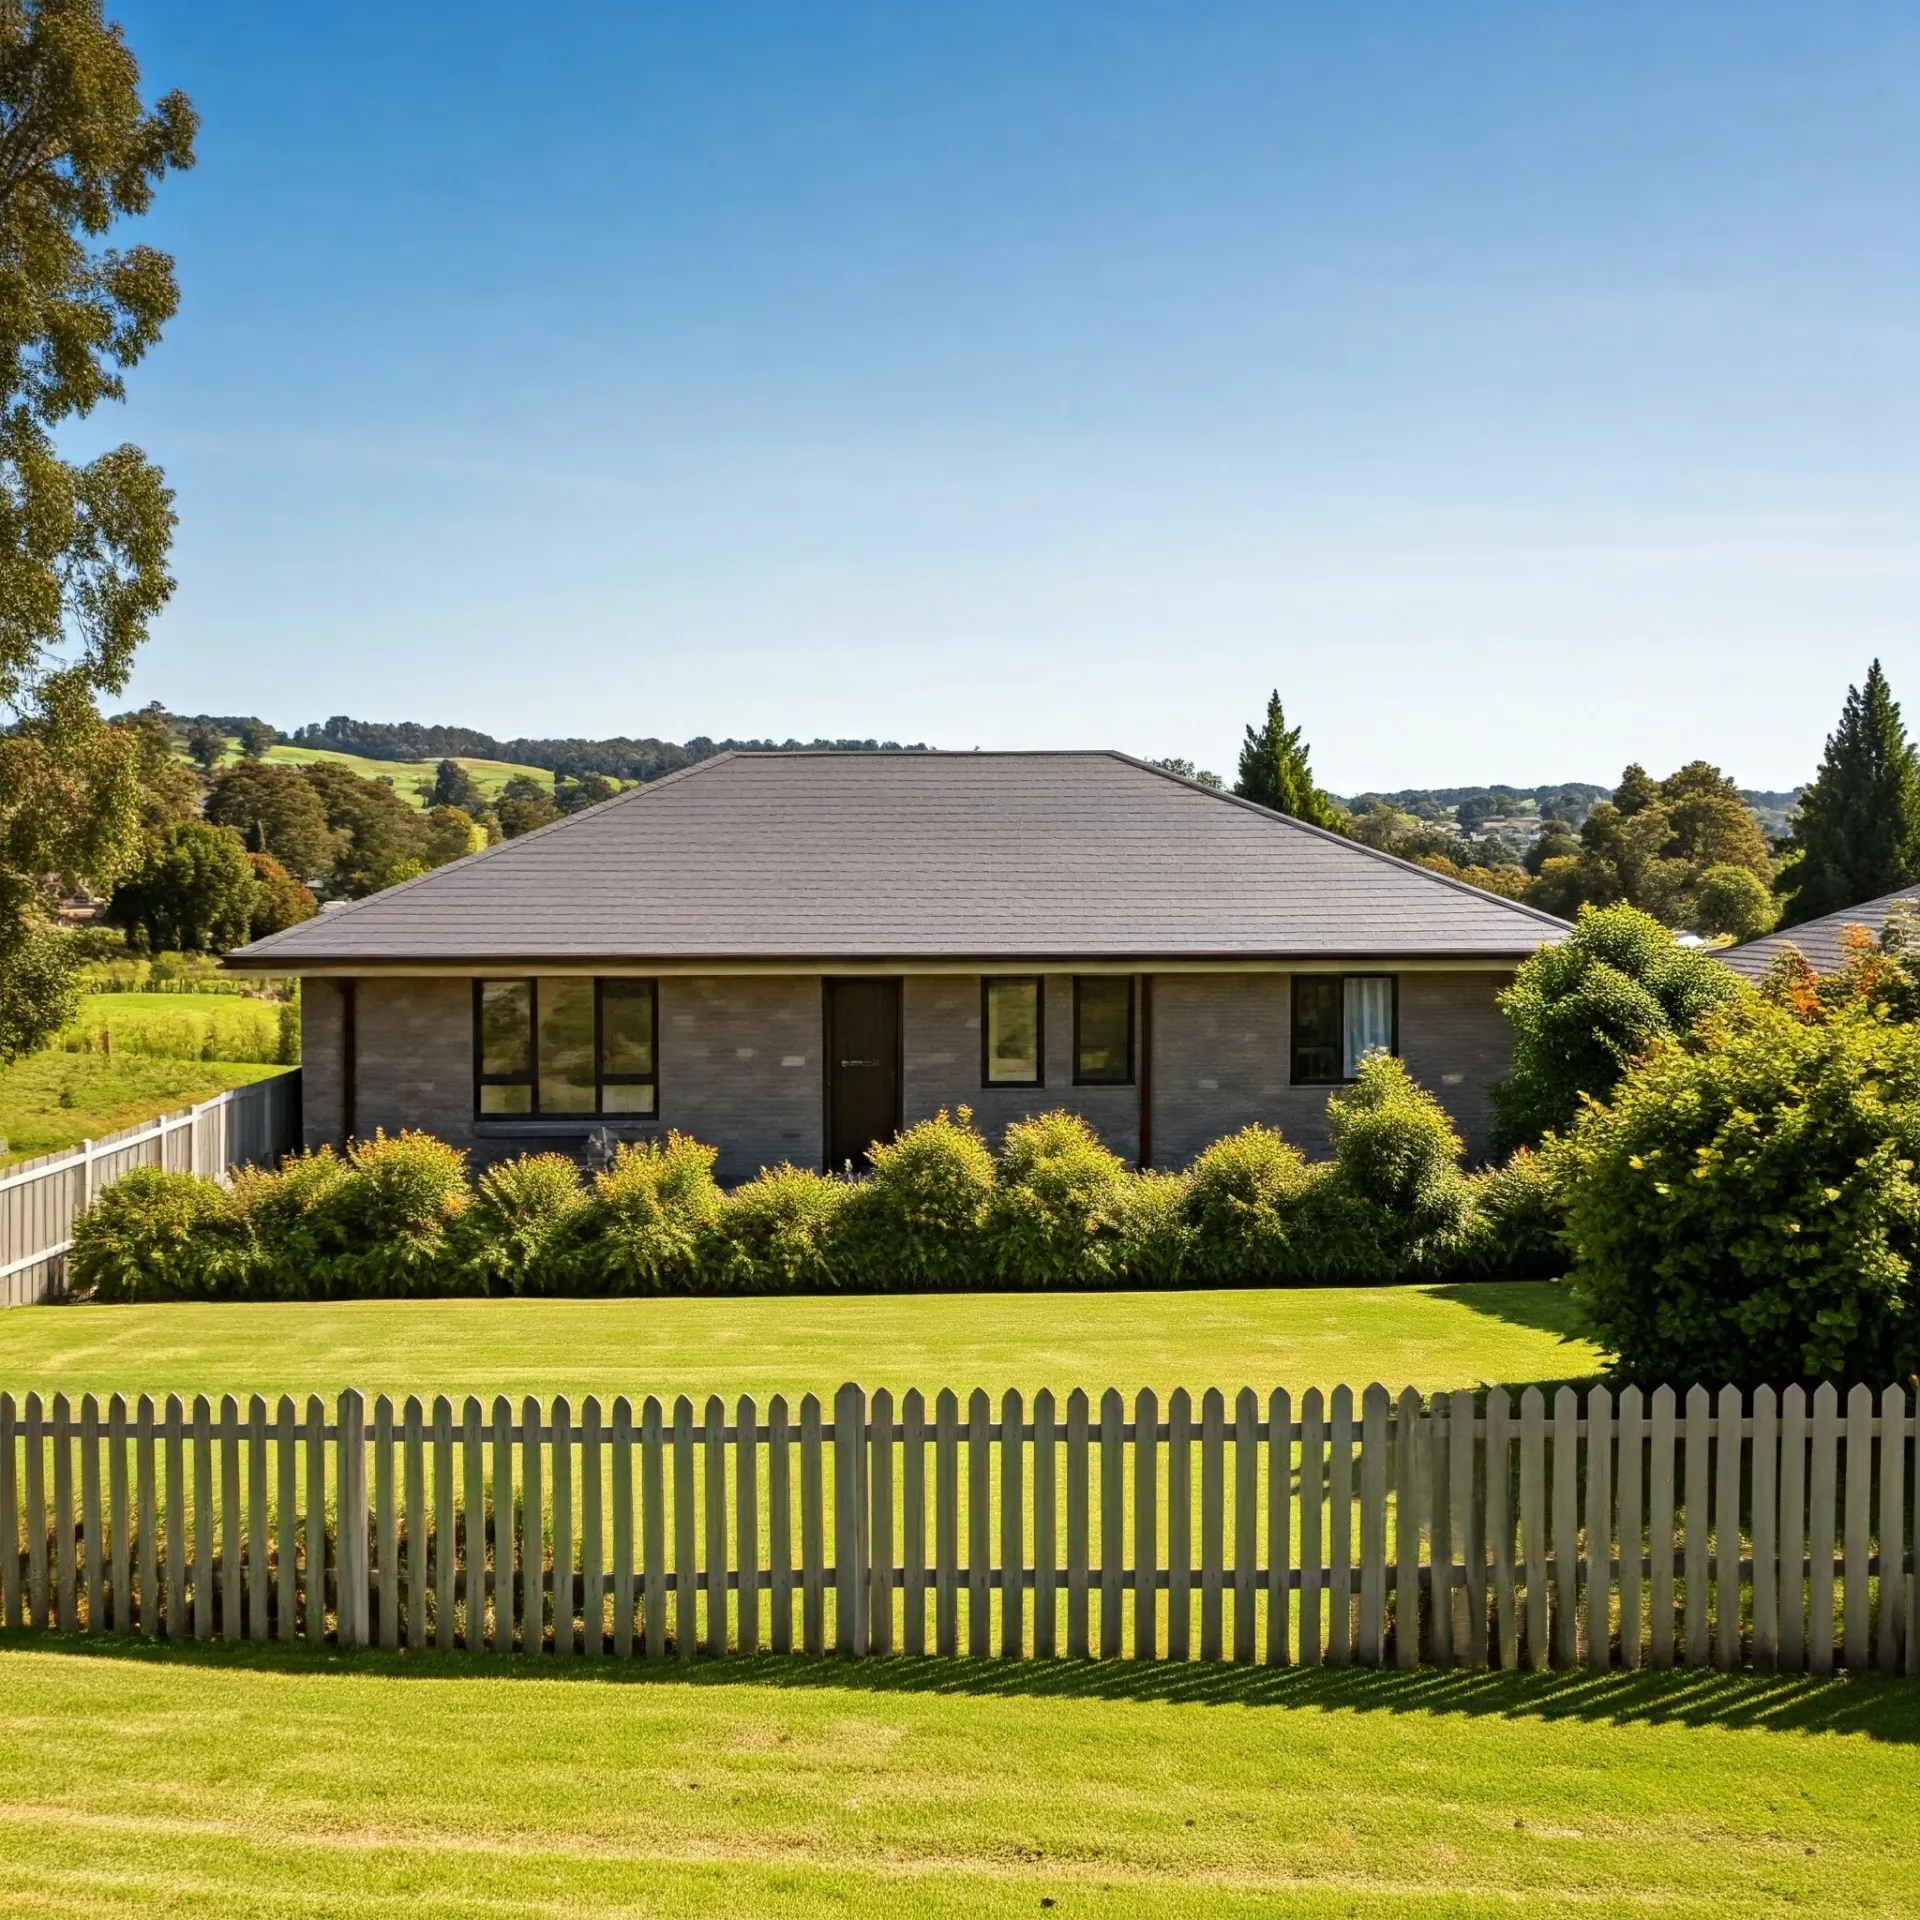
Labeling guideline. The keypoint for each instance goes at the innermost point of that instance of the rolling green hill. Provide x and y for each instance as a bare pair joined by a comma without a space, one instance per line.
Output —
489,775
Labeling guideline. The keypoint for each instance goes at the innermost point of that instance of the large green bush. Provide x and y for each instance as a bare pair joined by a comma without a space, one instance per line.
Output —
1745,1209
918,1222
291,1237
159,1236
1156,1238
386,1224
1056,1219
780,1233
1394,1202
510,1237
644,1225
1583,1011
1243,1197
1516,1229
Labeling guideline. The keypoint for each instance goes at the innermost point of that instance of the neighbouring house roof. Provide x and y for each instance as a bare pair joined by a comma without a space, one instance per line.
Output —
999,857
1818,939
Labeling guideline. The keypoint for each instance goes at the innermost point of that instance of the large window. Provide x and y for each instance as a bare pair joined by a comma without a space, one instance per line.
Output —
1103,1030
555,1047
1337,1021
1012,1017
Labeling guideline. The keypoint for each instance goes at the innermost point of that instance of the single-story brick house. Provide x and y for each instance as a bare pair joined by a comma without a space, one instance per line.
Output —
792,954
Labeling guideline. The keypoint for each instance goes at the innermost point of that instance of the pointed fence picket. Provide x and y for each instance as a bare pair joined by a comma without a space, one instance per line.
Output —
1766,1527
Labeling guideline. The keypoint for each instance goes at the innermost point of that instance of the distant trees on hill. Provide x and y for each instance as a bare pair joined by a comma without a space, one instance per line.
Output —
1470,807
618,758
1685,849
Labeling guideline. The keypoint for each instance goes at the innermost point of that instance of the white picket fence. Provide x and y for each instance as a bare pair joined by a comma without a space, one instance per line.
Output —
40,1199
1460,1530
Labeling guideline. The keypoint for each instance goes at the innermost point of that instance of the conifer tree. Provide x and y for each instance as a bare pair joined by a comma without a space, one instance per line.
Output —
1274,772
1856,834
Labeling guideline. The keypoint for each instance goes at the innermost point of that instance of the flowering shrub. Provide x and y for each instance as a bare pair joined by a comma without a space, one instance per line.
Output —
1243,1194
159,1236
522,1209
383,1225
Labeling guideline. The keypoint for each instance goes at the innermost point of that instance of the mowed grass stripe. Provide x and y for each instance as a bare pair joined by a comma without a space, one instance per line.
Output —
1427,1337
252,1782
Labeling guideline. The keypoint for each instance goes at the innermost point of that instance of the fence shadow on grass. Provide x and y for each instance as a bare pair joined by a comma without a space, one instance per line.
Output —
1880,1707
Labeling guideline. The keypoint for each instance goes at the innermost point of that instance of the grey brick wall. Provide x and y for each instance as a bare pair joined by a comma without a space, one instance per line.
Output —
320,1062
1456,1043
741,1066
1222,1057
415,1058
940,1040
1220,1062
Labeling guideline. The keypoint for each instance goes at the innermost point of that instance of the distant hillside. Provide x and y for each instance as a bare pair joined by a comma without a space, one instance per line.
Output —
1774,811
408,776
619,758
408,742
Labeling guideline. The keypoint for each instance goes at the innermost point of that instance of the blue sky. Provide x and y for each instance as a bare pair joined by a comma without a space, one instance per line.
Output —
1521,389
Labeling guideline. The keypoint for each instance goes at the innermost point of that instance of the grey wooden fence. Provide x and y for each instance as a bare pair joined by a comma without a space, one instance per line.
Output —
1456,1530
40,1199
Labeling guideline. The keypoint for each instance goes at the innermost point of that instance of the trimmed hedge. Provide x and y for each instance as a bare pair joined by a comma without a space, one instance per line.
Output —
940,1211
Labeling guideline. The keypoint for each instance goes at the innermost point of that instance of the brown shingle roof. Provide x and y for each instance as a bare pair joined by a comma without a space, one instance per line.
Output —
990,856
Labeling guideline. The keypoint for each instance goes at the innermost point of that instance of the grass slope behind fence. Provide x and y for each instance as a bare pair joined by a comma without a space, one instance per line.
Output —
1443,1531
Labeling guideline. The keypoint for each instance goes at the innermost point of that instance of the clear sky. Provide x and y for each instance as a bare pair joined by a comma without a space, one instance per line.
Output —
1520,388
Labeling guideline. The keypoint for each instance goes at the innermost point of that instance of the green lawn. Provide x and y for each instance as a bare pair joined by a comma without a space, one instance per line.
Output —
176,1026
269,1780
57,1099
1426,1337
255,1782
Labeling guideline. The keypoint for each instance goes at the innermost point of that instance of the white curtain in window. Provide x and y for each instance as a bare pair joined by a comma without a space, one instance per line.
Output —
1368,1021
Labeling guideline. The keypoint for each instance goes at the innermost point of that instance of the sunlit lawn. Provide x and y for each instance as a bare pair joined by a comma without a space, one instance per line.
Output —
56,1099
1426,1337
237,1781
276,1780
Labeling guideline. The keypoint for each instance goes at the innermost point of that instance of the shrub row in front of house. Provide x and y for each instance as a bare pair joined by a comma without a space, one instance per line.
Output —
939,1210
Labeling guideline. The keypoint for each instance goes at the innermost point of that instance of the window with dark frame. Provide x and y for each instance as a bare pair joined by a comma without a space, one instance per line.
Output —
1103,1030
558,1047
1012,1032
1338,1019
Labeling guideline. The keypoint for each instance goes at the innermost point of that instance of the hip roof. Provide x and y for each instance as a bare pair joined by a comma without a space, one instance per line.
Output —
806,856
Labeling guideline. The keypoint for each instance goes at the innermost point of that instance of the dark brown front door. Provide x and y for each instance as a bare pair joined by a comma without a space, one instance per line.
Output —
863,1067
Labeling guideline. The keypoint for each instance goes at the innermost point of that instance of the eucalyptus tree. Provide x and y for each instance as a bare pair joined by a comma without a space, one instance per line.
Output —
83,544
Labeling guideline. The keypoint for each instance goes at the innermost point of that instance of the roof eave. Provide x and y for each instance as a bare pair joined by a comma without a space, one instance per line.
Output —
1040,960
